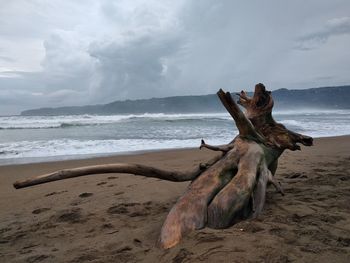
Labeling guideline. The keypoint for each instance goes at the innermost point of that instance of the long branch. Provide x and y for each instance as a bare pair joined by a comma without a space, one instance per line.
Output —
136,169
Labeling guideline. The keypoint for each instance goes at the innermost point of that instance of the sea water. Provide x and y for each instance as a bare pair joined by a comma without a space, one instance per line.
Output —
38,138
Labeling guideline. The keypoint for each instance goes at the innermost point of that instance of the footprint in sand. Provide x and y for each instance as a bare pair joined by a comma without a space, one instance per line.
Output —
183,255
56,193
40,210
202,237
130,209
278,231
38,258
252,227
138,209
90,256
84,195
124,254
319,170
107,226
137,242
118,209
70,216
296,175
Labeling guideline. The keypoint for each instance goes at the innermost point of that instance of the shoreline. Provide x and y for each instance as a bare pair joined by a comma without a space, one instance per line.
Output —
76,157
53,159
118,217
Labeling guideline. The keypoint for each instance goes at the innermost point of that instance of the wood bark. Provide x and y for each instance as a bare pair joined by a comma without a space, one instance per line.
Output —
229,188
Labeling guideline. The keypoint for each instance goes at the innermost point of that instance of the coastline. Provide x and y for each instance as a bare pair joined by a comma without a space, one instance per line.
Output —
105,218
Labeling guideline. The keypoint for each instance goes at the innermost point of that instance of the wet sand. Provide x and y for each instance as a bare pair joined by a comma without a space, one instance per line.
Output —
117,217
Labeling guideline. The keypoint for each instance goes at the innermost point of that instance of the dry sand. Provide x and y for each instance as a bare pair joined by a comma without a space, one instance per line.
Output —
117,218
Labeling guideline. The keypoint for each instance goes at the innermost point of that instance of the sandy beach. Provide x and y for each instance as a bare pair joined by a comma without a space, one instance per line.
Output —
117,217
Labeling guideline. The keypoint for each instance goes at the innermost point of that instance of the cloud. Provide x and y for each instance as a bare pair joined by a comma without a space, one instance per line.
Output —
134,69
134,62
120,54
89,52
333,27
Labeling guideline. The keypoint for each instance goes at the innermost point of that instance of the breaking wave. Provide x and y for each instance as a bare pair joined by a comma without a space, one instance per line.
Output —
54,122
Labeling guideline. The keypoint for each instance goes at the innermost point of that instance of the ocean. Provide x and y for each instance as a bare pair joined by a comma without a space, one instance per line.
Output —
25,139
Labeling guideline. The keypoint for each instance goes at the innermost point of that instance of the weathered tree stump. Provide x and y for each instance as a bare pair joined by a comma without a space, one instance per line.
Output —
227,189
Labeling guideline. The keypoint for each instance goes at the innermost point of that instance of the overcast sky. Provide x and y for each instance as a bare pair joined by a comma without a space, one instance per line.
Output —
76,52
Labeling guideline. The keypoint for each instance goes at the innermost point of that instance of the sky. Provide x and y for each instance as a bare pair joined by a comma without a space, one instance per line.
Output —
77,52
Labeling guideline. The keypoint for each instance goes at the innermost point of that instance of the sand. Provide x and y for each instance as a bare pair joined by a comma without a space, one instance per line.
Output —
117,218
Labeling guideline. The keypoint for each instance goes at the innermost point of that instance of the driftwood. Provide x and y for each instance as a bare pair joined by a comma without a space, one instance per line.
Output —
227,189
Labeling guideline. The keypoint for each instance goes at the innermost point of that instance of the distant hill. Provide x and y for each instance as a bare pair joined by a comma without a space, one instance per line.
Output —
321,98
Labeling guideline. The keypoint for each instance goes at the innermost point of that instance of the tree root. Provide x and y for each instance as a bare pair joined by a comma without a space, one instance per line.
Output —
190,211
